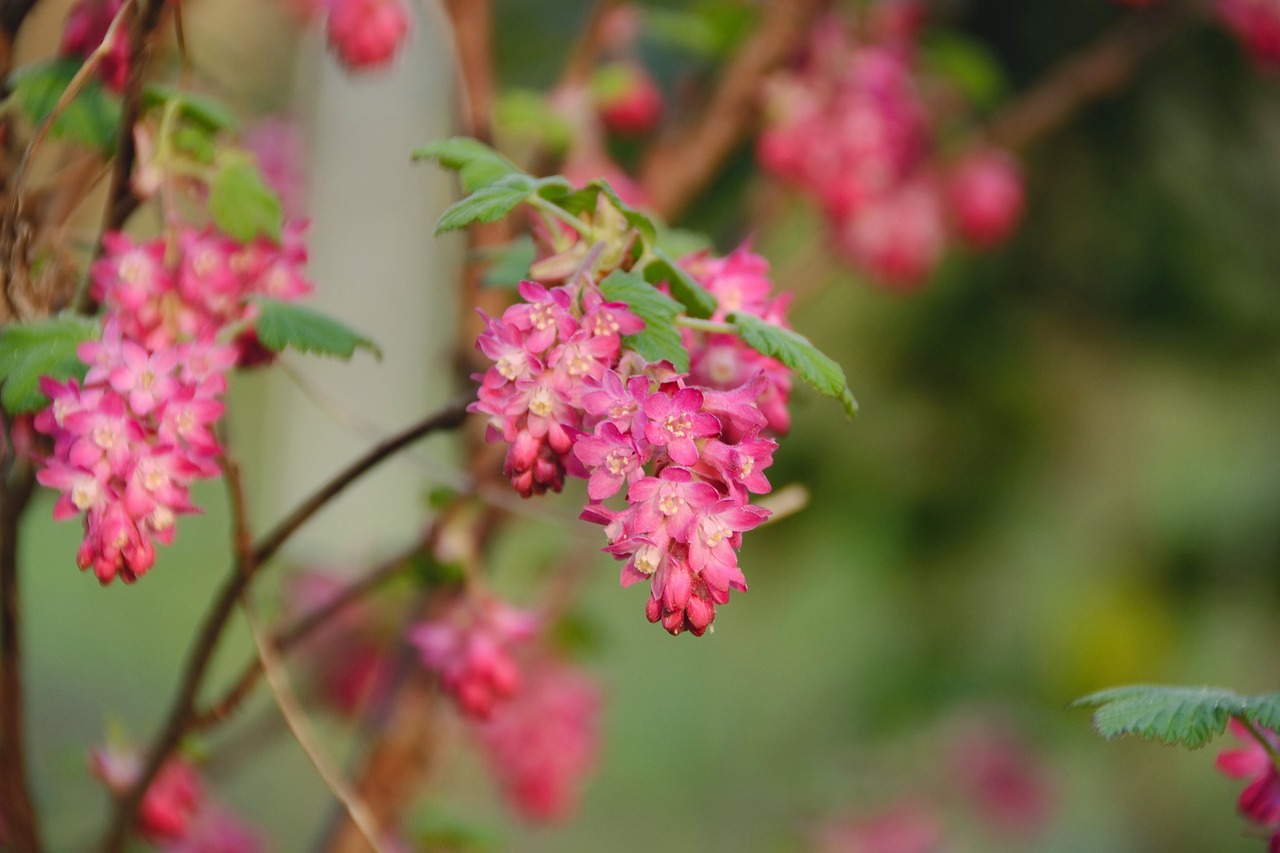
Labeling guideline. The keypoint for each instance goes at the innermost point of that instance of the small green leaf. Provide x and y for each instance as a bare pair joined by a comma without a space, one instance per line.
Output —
477,164
241,203
585,200
509,263
192,106
196,143
487,204
968,64
31,350
660,339
697,300
92,117
285,324
1190,716
796,352
525,114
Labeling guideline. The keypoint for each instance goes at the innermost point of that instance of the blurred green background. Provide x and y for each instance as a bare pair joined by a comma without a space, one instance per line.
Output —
1064,477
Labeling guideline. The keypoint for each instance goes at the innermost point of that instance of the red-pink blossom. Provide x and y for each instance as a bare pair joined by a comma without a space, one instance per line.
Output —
986,197
86,27
170,802
542,745
1256,23
367,34
628,100
1260,800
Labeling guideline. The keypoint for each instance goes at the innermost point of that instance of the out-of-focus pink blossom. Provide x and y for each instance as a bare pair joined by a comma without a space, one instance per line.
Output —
1256,23
86,27
986,197
367,34
278,147
541,746
1260,800
905,828
627,98
999,776
171,801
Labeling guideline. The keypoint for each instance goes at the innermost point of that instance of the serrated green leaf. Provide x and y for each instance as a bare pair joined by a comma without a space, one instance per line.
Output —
1264,710
478,166
509,263
31,350
282,325
697,300
660,338
93,116
585,200
1190,716
241,203
487,204
192,106
796,352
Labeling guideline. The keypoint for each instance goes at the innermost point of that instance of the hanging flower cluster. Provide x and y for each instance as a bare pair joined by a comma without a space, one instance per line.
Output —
849,126
363,34
129,441
177,815
686,448
1260,800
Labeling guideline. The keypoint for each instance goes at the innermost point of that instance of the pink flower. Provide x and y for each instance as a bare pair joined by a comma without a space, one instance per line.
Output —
611,457
1260,800
1002,778
628,100
1256,23
905,828
899,237
471,649
986,197
542,744
676,422
171,801
86,27
367,34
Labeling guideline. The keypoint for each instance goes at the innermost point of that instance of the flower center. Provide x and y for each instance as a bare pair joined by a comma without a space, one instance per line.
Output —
617,461
678,424
105,435
647,559
540,402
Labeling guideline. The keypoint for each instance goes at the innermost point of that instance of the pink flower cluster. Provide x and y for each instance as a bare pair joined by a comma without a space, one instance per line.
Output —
544,351
1260,800
687,449
176,814
86,27
471,649
1256,23
130,439
850,127
542,744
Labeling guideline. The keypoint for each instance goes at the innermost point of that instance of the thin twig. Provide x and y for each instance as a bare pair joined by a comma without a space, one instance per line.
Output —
277,679
15,790
182,707
685,160
296,719
302,628
77,83
1103,68
450,417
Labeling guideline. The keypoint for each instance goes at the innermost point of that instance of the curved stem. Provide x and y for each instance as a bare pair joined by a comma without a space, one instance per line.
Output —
181,713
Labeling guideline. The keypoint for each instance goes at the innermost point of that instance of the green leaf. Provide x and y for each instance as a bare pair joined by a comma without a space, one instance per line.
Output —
487,204
1189,716
31,350
968,64
585,199
525,114
285,324
92,117
192,106
241,203
509,263
660,339
796,352
477,164
697,300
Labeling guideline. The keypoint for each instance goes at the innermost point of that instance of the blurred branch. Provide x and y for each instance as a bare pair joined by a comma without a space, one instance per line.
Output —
302,628
472,23
1103,68
182,710
582,59
684,161
16,488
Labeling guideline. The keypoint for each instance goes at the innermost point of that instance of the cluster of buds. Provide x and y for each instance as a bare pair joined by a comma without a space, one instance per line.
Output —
1260,800
128,442
850,128
471,649
176,814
